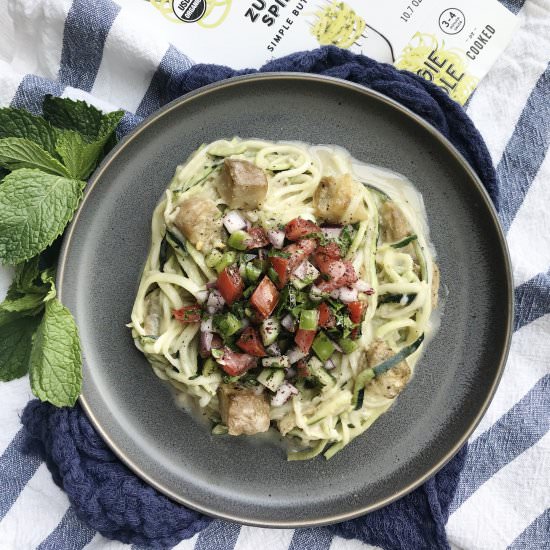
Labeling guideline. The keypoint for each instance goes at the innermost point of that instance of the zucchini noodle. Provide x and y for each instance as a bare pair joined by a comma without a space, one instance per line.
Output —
389,250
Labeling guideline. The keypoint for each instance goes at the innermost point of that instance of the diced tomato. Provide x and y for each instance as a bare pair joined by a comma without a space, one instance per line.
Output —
230,284
326,317
265,297
350,276
355,311
234,363
188,314
304,339
257,238
298,228
301,367
299,252
280,265
326,256
250,342
340,273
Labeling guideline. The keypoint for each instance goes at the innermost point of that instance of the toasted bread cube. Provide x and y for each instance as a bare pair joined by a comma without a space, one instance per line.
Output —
242,184
394,224
242,410
332,199
199,221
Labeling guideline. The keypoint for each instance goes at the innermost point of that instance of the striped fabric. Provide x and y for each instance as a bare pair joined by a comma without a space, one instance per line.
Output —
101,52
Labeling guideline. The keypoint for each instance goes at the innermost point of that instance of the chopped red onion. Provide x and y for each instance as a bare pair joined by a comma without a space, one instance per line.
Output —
336,270
274,350
291,372
205,344
233,221
284,393
306,271
217,341
288,322
362,286
201,296
301,270
329,364
211,285
348,295
276,237
294,355
331,232
207,325
215,302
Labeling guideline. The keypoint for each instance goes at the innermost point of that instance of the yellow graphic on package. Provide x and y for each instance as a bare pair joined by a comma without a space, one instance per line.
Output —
214,16
446,68
338,24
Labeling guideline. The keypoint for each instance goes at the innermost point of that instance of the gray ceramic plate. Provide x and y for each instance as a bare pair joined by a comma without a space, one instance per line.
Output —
238,478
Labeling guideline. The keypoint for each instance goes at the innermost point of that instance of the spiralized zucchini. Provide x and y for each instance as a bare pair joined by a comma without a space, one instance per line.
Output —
324,418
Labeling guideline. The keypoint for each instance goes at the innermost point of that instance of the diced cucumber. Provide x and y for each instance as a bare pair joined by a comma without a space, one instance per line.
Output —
227,258
269,330
348,345
298,283
309,319
213,258
280,362
238,240
252,272
210,367
304,275
271,378
317,370
323,346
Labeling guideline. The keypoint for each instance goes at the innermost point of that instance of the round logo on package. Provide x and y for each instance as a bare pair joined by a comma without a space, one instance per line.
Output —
189,11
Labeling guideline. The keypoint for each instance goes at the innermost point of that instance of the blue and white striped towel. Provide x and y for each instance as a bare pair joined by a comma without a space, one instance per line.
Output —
503,499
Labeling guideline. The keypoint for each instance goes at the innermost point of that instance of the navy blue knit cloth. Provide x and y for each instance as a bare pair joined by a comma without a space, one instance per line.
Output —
115,502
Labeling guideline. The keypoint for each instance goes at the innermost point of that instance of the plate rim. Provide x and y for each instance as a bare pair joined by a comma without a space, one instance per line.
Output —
509,310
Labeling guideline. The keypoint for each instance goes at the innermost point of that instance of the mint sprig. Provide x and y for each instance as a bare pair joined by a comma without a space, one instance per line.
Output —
44,161
55,360
35,207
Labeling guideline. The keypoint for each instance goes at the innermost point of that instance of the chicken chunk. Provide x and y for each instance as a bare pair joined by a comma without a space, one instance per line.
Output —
395,226
242,184
332,199
391,383
199,220
435,285
242,410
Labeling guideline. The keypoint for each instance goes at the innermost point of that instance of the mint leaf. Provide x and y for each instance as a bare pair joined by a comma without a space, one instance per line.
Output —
25,274
56,360
79,156
15,345
79,116
22,124
22,153
22,303
47,277
35,207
